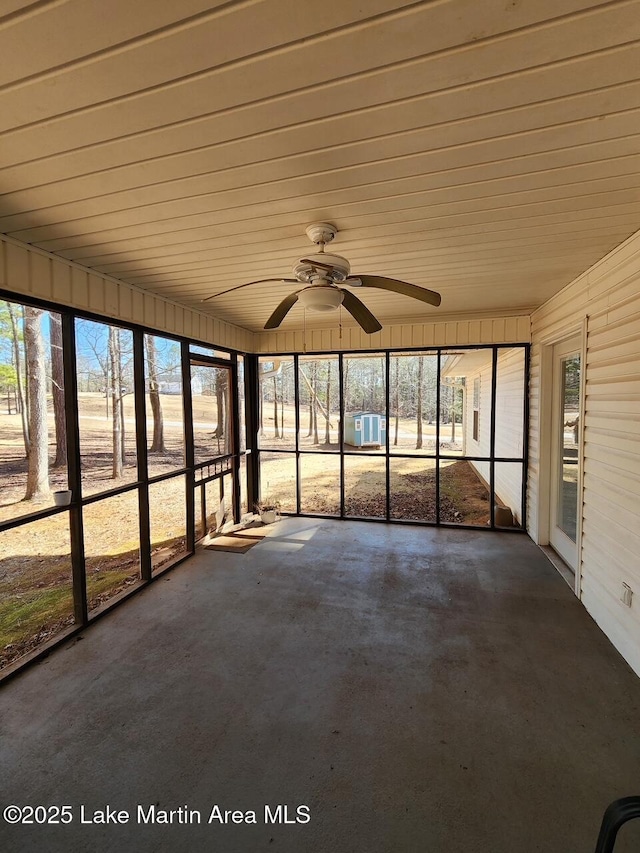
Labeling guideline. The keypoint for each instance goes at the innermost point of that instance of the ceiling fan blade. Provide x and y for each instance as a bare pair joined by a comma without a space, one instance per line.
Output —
318,264
360,312
281,311
249,283
396,286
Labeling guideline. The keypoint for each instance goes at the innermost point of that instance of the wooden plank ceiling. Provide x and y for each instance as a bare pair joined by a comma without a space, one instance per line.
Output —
486,150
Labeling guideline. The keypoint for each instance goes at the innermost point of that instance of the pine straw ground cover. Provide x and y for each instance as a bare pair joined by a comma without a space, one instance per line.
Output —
464,499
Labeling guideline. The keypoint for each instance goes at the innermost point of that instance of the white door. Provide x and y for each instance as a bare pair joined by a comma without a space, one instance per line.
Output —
370,429
565,456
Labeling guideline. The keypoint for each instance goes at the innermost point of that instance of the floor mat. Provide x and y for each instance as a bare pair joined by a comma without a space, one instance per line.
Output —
238,542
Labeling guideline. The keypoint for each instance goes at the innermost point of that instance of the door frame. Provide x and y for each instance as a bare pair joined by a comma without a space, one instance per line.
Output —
220,470
545,478
560,541
372,428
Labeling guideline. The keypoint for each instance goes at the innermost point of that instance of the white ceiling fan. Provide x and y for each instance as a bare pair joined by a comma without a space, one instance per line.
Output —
322,274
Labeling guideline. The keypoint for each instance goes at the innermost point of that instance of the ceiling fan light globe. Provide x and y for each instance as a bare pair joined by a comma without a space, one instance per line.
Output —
319,298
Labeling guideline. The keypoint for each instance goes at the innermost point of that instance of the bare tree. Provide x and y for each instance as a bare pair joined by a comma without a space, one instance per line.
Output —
456,408
116,409
275,407
314,394
345,381
38,472
397,400
123,452
419,403
327,433
310,430
222,424
8,386
314,402
22,406
57,386
261,405
92,335
157,442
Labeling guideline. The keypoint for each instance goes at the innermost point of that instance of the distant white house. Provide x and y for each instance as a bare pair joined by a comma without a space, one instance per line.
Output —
173,385
475,367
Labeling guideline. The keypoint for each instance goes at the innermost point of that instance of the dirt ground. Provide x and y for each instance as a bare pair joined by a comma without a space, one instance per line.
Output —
464,499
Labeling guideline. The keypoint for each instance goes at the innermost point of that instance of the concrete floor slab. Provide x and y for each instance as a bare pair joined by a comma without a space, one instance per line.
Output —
418,689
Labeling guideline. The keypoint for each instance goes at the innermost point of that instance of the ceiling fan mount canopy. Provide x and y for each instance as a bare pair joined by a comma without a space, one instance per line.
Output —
321,233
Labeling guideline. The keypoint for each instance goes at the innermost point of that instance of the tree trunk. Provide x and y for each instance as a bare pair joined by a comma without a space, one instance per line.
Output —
453,414
226,415
22,406
345,383
57,385
327,433
220,385
397,401
313,400
26,372
275,407
38,473
310,386
114,358
157,441
314,383
123,449
222,425
261,405
107,386
121,393
419,406
118,400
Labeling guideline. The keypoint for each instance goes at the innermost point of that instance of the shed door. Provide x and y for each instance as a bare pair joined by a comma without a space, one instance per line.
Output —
370,429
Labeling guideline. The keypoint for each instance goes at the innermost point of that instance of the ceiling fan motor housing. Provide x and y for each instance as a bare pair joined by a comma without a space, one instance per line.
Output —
307,272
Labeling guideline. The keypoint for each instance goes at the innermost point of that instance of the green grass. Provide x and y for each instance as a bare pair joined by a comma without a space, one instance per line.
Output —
25,614
450,487
40,596
106,581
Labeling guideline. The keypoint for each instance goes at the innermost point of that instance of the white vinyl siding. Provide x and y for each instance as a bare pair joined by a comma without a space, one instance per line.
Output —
27,271
509,425
439,333
481,447
606,301
510,390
